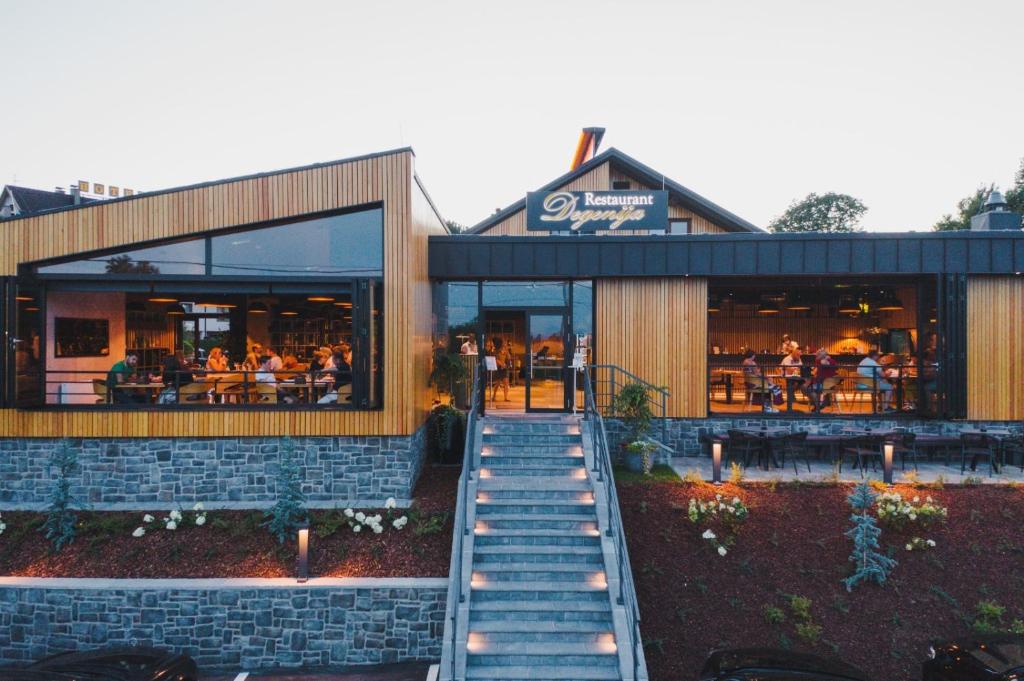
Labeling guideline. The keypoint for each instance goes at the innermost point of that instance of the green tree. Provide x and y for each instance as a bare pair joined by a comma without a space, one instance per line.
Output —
455,227
829,212
288,513
60,519
870,564
971,205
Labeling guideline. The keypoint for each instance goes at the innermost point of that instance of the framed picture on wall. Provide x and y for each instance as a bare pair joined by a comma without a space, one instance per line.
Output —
76,337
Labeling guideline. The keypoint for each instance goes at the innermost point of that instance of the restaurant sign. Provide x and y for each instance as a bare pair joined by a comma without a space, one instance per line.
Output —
592,211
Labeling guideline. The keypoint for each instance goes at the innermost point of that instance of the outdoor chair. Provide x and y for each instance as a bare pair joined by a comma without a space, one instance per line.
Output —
753,390
863,448
744,446
904,445
99,387
267,393
829,392
1012,448
976,446
792,446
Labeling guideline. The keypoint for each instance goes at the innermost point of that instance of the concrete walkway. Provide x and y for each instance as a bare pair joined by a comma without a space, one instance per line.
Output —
824,472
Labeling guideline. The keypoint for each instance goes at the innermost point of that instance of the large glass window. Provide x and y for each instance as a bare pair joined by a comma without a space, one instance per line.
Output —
525,294
185,257
351,244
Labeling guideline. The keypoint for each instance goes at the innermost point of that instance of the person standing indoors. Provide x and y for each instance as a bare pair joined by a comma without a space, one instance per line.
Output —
503,360
825,370
788,344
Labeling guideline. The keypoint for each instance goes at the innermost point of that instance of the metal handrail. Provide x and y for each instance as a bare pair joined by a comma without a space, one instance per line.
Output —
461,529
657,396
614,527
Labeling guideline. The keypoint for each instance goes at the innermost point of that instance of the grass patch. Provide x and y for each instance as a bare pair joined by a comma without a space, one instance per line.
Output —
660,473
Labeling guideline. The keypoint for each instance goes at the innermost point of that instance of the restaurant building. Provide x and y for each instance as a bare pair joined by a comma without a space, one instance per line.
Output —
611,265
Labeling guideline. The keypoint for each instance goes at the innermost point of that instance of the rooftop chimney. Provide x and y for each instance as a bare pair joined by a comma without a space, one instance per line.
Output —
994,215
76,194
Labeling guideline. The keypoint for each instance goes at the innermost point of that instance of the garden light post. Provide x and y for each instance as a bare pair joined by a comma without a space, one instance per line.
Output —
887,451
303,566
716,463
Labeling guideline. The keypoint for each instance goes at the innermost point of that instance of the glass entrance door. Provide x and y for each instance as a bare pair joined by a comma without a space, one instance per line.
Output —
546,347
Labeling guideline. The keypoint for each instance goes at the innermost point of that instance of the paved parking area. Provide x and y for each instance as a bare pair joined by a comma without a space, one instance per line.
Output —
390,672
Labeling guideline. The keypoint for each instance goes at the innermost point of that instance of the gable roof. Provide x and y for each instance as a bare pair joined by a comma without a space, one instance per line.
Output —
630,166
35,200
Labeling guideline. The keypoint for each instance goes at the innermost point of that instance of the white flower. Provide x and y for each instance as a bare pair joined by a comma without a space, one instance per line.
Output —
735,500
917,499
722,551
171,525
349,513
377,529
147,518
913,516
930,542
139,531
390,503
198,506
175,515
708,534
910,547
3,526
399,523
201,520
360,516
357,528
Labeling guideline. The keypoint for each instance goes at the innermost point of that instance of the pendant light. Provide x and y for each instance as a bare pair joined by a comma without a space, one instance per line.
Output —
320,299
797,303
890,303
162,299
174,310
864,304
258,307
768,307
713,304
847,305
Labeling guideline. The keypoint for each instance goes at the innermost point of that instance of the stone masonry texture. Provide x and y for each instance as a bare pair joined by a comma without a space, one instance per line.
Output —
183,470
228,628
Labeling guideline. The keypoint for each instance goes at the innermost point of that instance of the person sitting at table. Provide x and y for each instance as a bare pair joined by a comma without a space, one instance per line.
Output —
469,347
340,373
870,378
793,371
275,360
754,380
217,361
824,380
290,363
174,374
252,360
124,372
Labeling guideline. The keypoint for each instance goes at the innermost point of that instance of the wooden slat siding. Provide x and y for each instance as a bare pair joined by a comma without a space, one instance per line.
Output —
995,348
406,291
657,330
698,224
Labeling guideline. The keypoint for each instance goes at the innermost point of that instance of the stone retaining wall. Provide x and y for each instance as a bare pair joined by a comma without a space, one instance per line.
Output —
685,435
245,624
143,473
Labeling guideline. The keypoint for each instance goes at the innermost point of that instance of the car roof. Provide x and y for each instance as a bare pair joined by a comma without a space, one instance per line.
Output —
765,659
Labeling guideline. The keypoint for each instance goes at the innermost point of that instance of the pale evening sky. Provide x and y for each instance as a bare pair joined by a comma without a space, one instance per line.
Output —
906,105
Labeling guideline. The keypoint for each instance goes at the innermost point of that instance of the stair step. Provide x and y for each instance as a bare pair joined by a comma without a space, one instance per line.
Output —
493,491
522,510
576,523
542,673
526,439
534,567
540,627
541,605
548,591
536,460
582,561
532,449
566,473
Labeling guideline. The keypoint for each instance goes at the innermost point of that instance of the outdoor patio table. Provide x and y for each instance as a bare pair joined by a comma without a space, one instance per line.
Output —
766,435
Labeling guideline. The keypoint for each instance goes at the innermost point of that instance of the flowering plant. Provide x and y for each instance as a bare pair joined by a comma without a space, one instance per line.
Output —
918,544
729,512
644,449
173,519
3,525
896,512
357,520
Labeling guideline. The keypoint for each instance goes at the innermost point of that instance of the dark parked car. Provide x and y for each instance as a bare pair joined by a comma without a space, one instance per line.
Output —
767,664
997,657
110,664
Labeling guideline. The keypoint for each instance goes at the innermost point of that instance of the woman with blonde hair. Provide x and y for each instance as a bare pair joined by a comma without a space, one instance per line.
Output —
216,361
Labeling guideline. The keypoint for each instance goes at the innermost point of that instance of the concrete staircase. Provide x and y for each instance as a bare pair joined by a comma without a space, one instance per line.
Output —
537,561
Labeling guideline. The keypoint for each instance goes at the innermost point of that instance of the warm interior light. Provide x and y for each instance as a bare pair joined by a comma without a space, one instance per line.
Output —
258,307
162,299
24,299
342,303
847,305
768,307
227,305
289,313
32,308
320,299
174,310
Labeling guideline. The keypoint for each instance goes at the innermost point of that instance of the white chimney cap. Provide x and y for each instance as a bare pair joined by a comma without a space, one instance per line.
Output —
995,201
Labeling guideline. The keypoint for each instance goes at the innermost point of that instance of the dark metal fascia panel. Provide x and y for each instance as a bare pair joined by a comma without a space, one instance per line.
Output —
886,255
501,260
979,256
908,255
768,254
633,259
655,259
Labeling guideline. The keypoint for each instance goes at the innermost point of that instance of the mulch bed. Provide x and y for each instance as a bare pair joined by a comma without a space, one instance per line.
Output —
235,544
692,600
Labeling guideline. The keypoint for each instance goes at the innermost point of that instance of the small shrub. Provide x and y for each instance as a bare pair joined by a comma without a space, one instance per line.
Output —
773,484
288,513
895,512
913,479
431,524
870,564
919,544
800,606
972,481
808,632
692,477
773,615
940,482
329,523
735,473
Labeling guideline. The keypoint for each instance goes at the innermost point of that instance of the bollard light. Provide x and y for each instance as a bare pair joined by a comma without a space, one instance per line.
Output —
303,567
887,450
716,463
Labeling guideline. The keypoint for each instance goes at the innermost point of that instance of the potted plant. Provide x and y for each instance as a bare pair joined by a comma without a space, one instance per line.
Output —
638,456
446,437
449,376
632,406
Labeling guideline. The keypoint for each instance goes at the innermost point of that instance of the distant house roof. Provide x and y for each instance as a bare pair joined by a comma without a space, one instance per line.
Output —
630,166
30,200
